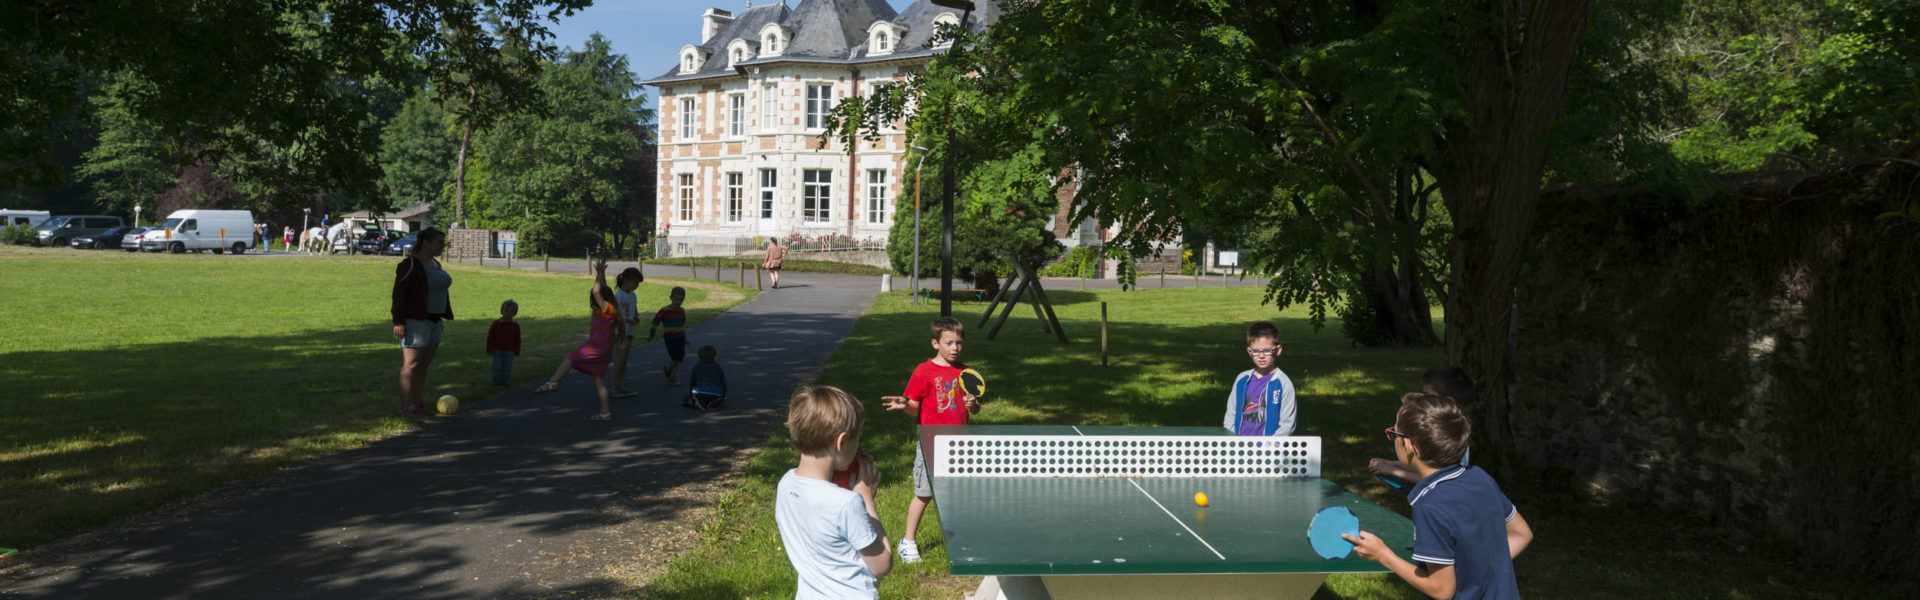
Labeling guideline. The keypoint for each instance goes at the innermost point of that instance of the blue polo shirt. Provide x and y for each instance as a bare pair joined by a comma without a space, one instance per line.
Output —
1460,519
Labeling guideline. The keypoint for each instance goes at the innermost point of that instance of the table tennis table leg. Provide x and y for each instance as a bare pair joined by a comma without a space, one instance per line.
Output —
1118,587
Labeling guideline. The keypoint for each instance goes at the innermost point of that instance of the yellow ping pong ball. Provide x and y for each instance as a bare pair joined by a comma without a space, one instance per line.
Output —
1200,498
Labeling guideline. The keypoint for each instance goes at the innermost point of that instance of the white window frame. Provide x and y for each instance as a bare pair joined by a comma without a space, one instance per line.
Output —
878,196
769,106
737,117
685,212
816,193
945,19
818,107
736,196
769,188
687,119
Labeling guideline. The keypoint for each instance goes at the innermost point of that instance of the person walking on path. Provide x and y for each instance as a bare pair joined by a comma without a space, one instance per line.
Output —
420,304
593,355
776,254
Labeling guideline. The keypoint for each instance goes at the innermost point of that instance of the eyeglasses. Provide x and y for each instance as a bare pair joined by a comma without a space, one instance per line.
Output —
1263,351
1394,432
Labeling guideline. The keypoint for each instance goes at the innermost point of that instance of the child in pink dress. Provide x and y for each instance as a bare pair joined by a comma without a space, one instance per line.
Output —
593,355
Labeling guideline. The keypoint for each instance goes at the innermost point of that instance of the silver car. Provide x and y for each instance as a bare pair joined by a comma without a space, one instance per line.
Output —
131,241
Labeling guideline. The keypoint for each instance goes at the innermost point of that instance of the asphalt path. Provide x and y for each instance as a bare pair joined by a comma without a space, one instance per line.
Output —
522,496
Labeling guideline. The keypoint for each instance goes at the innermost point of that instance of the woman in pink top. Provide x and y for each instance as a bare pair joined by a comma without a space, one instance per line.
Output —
593,355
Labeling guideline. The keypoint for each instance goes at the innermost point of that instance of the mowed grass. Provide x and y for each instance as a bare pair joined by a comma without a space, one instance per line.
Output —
128,381
1173,353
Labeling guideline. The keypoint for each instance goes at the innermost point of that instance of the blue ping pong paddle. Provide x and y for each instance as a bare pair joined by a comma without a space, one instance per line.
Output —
1391,481
1327,527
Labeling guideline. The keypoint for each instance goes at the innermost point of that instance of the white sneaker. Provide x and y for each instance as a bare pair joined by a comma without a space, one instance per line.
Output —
909,551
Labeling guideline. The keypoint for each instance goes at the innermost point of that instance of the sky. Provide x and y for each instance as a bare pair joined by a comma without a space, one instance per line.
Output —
650,32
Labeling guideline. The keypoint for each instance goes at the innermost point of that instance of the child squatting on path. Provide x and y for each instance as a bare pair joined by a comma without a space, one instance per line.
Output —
707,384
593,355
934,397
1465,531
1261,402
833,536
671,323
503,342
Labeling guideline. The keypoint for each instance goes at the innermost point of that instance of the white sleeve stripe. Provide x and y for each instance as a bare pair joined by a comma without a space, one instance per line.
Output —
1432,560
1513,512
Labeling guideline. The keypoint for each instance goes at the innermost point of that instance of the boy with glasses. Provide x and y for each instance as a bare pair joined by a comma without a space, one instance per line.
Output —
1465,531
1260,402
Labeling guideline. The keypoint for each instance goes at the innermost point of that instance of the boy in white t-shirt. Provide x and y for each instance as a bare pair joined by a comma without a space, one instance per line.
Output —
832,535
630,318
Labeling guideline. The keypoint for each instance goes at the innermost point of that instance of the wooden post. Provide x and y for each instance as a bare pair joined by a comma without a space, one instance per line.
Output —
546,263
716,270
1083,282
1103,333
1163,279
756,278
1196,276
741,272
509,260
1223,279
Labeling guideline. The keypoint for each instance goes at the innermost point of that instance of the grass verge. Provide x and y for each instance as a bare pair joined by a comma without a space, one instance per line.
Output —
1173,353
133,380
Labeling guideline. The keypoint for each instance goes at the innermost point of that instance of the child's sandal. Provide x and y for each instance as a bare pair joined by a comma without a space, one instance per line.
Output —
546,388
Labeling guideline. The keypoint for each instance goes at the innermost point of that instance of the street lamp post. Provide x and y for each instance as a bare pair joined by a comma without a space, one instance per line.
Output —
916,221
946,185
305,213
136,215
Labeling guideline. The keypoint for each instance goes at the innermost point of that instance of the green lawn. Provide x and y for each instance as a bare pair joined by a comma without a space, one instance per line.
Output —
1173,353
133,380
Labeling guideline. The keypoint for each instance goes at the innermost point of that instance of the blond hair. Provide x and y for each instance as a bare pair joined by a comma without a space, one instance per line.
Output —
819,413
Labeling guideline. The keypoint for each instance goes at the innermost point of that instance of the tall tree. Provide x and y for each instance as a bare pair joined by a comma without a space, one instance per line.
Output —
549,171
270,85
416,153
1399,142
132,163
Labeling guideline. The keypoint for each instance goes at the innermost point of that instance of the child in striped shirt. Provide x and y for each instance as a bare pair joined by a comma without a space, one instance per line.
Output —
671,324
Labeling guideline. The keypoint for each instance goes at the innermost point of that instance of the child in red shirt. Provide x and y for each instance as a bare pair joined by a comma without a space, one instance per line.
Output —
934,396
503,343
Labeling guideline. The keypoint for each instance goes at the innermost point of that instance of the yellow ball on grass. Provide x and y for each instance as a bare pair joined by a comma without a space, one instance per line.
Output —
449,405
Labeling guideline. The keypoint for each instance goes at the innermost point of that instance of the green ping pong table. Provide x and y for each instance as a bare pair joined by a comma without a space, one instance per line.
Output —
1068,512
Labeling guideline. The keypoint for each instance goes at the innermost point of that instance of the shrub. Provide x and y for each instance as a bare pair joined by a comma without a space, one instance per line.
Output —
19,235
1361,321
1081,261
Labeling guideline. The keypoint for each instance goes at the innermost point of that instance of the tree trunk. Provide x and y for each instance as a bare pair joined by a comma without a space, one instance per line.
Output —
460,169
1490,180
1400,305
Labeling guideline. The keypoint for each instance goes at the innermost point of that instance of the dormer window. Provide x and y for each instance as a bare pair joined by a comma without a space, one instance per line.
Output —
691,59
773,40
883,37
738,52
943,21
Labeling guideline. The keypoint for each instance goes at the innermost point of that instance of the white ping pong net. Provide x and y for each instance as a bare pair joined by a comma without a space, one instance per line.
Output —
1124,456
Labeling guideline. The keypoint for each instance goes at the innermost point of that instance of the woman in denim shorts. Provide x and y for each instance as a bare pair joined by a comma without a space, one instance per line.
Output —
420,306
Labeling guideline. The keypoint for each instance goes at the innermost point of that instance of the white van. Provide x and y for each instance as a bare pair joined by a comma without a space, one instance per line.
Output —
29,218
196,230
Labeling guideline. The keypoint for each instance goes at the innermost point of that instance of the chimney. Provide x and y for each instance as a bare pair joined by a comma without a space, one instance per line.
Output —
712,22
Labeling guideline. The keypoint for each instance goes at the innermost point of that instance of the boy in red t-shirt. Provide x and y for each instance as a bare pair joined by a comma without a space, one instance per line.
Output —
503,343
934,396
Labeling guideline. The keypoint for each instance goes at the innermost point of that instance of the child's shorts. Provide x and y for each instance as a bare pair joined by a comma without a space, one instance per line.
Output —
676,350
922,487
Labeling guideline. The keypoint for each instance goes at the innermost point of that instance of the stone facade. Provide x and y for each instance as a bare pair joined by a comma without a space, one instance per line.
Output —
1742,358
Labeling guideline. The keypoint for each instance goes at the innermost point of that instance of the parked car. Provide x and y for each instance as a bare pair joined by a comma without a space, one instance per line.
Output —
101,241
402,246
58,231
196,230
131,241
375,241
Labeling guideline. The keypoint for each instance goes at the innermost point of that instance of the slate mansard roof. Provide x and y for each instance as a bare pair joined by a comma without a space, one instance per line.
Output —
824,32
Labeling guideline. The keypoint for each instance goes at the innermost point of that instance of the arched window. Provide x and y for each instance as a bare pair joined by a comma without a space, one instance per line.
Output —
691,59
882,37
738,52
773,40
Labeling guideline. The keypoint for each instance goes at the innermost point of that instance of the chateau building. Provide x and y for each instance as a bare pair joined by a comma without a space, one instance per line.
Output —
742,110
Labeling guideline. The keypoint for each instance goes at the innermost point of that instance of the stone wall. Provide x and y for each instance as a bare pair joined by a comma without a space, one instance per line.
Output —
471,243
1749,358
